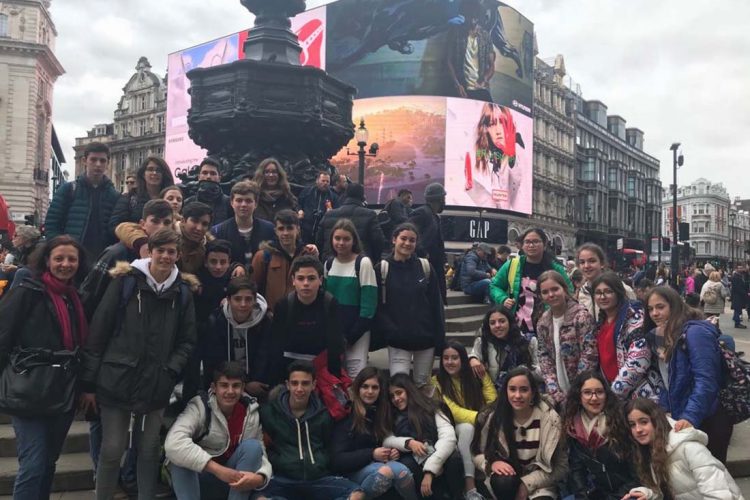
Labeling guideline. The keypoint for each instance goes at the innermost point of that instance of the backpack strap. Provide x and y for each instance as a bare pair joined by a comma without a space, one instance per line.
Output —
327,265
425,269
126,292
207,418
383,278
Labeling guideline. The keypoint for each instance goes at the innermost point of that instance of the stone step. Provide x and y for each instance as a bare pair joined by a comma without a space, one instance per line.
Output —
4,419
464,338
464,324
457,298
74,473
465,310
76,442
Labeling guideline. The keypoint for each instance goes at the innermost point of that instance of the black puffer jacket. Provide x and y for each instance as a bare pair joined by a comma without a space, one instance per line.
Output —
135,366
129,208
352,450
29,320
364,219
600,473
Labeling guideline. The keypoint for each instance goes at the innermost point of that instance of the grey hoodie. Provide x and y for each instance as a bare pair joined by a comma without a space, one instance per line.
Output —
239,330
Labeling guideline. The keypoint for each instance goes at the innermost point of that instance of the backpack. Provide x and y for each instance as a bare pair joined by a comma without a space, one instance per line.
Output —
329,263
711,296
384,274
734,397
206,420
455,283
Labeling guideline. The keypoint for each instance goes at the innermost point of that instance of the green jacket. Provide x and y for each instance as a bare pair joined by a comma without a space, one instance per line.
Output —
297,447
507,282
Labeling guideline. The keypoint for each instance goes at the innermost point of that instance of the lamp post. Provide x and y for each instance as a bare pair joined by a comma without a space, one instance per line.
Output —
732,218
674,261
362,135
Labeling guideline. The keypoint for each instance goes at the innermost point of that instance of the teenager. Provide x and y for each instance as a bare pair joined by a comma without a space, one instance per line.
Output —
515,284
173,196
136,350
272,264
215,447
519,446
306,323
598,440
350,278
424,436
567,345
210,193
671,463
465,396
298,429
357,450
686,351
275,192
43,312
500,347
592,262
151,177
239,331
411,307
624,353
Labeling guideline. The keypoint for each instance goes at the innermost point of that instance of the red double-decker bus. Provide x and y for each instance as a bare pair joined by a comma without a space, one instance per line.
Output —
7,227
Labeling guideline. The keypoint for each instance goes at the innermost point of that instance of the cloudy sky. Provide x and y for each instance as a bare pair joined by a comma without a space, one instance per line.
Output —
679,70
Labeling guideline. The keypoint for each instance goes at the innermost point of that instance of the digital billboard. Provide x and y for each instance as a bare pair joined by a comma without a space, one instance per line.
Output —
445,88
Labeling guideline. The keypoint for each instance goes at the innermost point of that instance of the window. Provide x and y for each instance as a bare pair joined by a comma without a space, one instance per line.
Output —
3,25
588,169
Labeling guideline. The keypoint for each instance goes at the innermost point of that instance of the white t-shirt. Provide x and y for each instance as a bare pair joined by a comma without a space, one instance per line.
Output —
562,376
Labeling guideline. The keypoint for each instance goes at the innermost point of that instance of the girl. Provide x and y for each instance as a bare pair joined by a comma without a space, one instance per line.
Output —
152,177
598,441
173,195
519,446
424,436
44,312
500,347
275,192
713,295
465,396
624,353
350,277
567,345
686,351
356,448
592,263
515,285
411,307
674,464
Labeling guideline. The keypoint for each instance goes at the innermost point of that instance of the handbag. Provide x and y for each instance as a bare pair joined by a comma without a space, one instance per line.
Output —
39,382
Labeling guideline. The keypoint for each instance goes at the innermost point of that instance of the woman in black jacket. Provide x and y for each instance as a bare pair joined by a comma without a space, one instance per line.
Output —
152,177
597,435
410,312
43,312
357,447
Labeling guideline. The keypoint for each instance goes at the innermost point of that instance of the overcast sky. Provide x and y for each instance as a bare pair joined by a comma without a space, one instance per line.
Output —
678,70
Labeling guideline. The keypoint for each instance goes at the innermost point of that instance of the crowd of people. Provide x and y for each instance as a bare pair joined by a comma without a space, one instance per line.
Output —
254,314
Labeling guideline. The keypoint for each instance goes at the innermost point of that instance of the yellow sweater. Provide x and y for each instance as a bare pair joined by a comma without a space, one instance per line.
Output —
460,414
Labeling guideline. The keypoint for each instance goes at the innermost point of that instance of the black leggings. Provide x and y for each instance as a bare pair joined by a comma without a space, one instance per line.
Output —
448,485
507,487
719,429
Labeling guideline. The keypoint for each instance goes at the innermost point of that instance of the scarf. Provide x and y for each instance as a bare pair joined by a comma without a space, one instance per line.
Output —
56,290
589,432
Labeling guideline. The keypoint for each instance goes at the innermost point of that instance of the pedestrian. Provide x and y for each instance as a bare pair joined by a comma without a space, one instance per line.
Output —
410,318
350,277
674,463
152,177
739,296
687,352
210,192
82,208
567,343
518,445
713,295
141,337
275,192
314,202
43,314
25,240
475,273
515,285
426,440
465,396
364,219
357,450
427,221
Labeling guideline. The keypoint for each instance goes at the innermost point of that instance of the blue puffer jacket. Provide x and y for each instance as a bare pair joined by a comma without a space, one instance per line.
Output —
695,374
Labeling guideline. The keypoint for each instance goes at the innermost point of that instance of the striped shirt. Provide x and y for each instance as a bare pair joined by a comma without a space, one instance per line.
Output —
527,435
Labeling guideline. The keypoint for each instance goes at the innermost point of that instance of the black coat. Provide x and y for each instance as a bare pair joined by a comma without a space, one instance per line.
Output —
351,450
222,209
227,230
364,219
129,208
313,202
430,242
134,365
599,474
739,292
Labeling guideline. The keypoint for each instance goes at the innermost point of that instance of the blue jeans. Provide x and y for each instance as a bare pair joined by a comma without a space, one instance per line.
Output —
324,488
39,441
191,485
478,289
374,483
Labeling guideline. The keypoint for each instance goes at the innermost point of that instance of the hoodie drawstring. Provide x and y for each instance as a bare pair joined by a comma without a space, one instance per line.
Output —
139,301
229,341
299,439
130,430
309,447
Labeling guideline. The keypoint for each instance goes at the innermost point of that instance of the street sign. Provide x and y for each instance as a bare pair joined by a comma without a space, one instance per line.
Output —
620,243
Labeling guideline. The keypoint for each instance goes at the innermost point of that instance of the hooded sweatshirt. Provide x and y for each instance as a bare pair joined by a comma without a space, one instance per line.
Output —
237,333
143,266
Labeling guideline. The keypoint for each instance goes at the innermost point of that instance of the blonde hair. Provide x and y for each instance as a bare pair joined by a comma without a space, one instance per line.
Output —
714,276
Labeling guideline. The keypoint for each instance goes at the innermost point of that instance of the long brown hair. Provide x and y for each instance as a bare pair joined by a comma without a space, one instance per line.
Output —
651,460
470,395
260,178
420,410
381,423
679,314
140,176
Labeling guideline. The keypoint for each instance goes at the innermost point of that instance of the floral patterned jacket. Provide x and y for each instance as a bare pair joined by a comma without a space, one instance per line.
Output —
577,346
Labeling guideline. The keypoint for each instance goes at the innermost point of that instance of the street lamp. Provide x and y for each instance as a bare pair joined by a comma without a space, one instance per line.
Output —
677,161
361,135
732,218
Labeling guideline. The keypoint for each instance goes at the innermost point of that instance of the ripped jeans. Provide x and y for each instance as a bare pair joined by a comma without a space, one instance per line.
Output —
375,483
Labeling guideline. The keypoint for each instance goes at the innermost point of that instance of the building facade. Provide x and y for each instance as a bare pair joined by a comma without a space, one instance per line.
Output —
28,71
739,231
706,206
137,130
618,202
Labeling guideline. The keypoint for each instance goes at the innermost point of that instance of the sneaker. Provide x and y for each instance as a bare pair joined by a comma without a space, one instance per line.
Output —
473,495
740,326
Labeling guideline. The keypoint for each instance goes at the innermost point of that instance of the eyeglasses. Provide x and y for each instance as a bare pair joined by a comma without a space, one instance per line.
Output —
588,394
271,172
532,242
153,170
604,293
